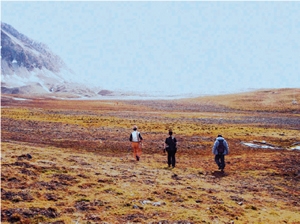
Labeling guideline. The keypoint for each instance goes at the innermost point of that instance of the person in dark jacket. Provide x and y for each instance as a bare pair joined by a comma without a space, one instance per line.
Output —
170,146
220,149
136,143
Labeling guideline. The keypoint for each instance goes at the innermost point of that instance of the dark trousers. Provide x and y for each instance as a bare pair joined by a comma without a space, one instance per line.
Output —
171,158
220,161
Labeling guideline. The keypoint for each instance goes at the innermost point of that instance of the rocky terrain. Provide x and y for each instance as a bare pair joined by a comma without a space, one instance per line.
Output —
69,161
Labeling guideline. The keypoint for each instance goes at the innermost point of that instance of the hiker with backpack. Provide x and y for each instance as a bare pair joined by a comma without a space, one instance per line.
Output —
136,143
220,149
170,146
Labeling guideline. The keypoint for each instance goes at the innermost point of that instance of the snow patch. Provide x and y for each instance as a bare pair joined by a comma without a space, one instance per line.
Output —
16,98
252,145
297,147
265,145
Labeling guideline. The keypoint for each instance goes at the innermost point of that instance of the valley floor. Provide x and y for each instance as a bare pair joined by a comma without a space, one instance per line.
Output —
71,162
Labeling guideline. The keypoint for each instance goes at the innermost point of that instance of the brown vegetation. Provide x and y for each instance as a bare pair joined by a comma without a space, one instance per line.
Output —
68,161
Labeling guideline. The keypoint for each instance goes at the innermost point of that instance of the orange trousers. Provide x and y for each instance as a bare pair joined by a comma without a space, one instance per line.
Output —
137,149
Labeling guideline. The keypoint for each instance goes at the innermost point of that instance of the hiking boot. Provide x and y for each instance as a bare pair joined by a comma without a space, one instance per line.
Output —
137,158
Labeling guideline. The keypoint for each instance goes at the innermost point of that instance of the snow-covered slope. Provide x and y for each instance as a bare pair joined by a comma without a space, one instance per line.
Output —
29,67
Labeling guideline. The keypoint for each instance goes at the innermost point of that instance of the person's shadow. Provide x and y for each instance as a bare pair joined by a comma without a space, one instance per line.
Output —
219,174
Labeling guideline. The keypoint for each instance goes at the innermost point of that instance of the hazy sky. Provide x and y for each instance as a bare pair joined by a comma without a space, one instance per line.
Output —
172,47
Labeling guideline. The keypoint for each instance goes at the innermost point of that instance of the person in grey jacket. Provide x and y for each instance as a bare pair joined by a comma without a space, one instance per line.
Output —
220,149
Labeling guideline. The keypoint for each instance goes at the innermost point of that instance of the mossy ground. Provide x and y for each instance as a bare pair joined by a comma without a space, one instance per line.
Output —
82,168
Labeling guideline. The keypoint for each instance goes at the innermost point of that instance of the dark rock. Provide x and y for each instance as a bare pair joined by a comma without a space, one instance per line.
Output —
27,156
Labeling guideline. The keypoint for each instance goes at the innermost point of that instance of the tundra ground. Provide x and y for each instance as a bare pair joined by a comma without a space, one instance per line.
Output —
69,161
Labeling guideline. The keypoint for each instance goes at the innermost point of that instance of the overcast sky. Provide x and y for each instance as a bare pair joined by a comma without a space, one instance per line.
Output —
170,47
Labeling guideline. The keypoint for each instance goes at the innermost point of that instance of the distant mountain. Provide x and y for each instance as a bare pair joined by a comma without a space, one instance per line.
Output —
29,67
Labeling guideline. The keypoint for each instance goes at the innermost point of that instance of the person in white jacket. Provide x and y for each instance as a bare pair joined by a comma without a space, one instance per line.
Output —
136,141
220,149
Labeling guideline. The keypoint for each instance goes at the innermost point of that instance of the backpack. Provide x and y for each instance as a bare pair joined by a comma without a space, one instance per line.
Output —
221,147
171,144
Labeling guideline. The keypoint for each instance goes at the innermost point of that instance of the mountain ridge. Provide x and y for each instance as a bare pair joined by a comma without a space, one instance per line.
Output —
30,67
